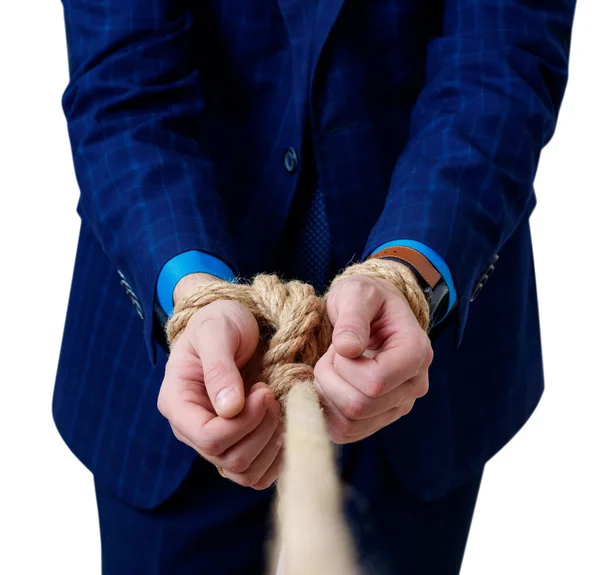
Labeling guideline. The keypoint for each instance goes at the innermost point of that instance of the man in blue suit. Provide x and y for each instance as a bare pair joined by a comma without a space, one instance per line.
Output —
227,138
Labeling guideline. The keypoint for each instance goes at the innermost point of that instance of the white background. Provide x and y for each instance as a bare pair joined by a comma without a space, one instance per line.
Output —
539,509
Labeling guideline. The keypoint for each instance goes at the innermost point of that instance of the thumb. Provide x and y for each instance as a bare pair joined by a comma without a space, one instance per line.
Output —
354,305
216,341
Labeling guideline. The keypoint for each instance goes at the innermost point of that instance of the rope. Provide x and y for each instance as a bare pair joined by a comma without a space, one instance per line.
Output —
296,332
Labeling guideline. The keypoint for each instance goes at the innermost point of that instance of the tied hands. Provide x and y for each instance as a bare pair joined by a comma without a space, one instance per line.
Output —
371,375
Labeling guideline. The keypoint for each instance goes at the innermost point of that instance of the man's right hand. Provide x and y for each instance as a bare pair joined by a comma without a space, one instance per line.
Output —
236,427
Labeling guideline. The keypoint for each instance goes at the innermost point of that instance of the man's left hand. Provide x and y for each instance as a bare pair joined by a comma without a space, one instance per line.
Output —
377,364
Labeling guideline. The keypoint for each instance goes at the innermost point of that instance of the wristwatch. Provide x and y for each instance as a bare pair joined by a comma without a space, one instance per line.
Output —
429,278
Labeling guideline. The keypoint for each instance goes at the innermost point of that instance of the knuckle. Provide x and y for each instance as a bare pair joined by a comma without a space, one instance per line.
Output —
217,371
414,362
423,346
352,408
262,484
428,353
234,319
368,290
353,290
405,408
256,478
161,405
239,317
177,435
422,387
236,463
209,445
376,384
268,478
361,287
173,368
245,480
205,319
216,310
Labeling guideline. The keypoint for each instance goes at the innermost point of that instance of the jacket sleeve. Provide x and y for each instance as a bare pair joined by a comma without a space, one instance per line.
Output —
494,83
135,110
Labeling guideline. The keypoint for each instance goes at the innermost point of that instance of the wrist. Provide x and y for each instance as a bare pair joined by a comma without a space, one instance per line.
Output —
408,279
428,279
190,283
408,275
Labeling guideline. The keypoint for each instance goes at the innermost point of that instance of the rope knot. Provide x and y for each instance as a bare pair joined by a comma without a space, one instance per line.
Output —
293,322
294,326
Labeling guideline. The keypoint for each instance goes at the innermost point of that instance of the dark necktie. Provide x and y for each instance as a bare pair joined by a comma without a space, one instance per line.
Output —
312,257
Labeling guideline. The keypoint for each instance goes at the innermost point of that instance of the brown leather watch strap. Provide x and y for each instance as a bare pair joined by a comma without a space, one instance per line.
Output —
416,259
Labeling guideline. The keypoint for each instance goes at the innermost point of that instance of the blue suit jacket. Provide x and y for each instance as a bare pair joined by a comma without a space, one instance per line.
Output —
424,120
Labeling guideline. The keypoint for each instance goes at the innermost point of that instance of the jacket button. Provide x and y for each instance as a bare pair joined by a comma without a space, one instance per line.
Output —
483,278
476,292
138,308
491,267
482,281
290,161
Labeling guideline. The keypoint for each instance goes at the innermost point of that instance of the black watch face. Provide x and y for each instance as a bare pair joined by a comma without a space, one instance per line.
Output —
438,303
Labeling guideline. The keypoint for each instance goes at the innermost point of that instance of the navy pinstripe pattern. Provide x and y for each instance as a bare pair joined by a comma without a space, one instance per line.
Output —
425,119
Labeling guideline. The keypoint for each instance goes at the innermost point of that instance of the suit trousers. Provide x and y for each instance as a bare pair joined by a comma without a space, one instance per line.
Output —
211,525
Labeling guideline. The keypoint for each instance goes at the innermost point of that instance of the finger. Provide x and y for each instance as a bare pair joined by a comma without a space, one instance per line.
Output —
352,306
342,430
238,458
219,433
397,362
260,466
273,473
352,403
185,410
337,393
216,341
331,410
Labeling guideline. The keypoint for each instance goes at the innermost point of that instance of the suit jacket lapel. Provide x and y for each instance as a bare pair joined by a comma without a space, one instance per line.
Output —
309,23
327,13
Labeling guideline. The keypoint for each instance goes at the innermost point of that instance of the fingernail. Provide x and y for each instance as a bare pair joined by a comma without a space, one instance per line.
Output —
225,398
350,337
